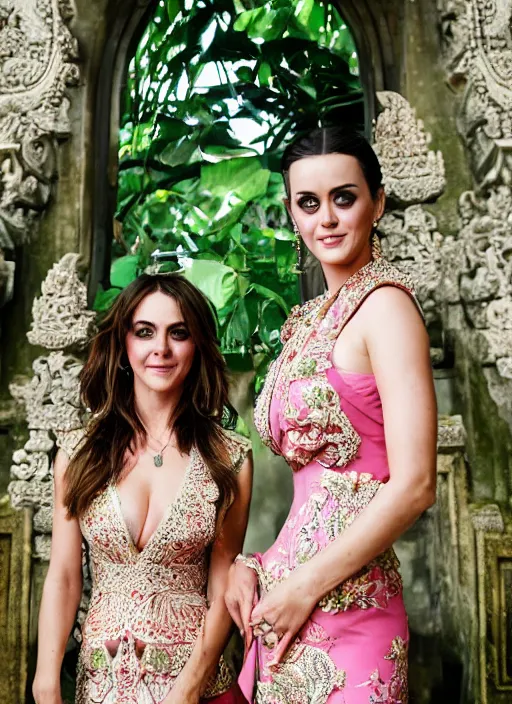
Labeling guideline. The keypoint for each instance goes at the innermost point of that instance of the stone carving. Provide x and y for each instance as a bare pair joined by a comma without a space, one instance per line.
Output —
485,274
51,399
412,173
37,65
60,316
451,434
412,242
478,55
488,519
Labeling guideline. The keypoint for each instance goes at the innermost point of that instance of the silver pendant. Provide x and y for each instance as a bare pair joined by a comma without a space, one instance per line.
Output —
158,460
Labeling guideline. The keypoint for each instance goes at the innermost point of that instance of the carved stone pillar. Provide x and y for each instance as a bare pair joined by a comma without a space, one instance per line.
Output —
62,324
478,295
37,64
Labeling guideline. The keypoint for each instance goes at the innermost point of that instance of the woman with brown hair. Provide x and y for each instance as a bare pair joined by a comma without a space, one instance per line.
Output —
160,492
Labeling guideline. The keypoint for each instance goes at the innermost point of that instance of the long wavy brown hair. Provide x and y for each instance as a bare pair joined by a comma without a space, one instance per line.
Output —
107,390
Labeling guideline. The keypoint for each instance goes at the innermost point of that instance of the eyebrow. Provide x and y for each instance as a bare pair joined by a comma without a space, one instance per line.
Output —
333,190
180,323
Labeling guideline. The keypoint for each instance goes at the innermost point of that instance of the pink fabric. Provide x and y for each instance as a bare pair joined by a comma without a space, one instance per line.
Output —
363,648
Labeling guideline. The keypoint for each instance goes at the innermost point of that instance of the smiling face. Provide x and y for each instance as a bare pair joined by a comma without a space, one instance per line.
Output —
331,204
159,346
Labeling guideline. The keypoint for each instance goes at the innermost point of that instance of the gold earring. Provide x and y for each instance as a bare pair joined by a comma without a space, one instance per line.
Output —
298,266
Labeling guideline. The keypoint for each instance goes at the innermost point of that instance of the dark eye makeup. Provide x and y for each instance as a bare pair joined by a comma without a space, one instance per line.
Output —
342,198
177,331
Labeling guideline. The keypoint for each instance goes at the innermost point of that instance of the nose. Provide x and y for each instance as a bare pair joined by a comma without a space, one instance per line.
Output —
328,217
162,346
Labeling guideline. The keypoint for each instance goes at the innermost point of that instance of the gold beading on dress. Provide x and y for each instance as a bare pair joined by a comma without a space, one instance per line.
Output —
148,606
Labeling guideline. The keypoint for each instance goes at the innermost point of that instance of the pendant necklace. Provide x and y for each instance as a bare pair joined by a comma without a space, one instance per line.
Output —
158,459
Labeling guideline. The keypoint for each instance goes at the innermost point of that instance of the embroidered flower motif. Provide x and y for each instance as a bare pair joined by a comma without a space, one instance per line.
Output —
155,597
315,410
395,691
308,674
314,427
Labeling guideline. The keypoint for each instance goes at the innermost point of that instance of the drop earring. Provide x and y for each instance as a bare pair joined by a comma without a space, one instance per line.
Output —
375,242
298,266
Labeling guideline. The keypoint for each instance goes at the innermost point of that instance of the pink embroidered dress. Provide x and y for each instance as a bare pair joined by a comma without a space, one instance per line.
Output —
148,607
328,426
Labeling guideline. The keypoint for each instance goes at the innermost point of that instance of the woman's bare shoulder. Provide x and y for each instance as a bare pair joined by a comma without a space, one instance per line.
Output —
391,305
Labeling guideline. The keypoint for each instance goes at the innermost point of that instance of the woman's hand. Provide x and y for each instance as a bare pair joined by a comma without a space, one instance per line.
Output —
286,609
241,597
46,692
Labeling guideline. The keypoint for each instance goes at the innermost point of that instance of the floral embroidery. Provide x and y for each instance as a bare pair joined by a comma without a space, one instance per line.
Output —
396,690
293,335
312,421
330,509
317,427
307,674
149,605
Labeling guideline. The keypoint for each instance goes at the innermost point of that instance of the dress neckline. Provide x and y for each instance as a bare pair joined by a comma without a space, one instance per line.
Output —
116,499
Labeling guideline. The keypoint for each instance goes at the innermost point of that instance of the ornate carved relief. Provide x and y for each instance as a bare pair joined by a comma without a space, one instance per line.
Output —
411,241
485,282
494,560
412,172
478,53
51,399
37,55
478,56
60,316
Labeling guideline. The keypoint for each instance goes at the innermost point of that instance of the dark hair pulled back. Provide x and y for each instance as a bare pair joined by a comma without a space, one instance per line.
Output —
334,140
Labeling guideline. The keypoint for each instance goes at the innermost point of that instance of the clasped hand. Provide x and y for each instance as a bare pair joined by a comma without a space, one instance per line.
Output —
282,611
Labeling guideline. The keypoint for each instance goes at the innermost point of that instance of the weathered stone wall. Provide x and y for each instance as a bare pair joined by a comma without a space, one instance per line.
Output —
449,223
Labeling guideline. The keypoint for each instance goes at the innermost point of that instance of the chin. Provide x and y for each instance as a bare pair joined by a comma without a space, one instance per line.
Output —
159,385
333,259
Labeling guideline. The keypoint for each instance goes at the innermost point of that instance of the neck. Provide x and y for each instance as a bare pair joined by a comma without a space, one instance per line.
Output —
155,410
336,275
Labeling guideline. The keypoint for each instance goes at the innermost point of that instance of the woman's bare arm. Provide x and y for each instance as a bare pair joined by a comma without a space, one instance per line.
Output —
61,594
210,645
399,351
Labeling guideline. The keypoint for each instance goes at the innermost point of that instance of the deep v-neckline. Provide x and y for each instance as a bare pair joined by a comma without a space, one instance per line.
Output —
116,499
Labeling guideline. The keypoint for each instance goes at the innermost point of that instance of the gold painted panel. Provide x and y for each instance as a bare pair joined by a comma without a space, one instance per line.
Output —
494,554
15,555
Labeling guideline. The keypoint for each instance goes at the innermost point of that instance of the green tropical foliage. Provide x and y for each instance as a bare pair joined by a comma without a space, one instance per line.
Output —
213,92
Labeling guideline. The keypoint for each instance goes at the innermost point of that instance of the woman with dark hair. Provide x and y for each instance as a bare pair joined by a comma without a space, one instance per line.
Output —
160,492
350,405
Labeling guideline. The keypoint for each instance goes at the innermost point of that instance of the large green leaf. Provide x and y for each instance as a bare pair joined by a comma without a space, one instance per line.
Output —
243,176
238,329
217,281
176,154
270,323
124,270
104,298
269,293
